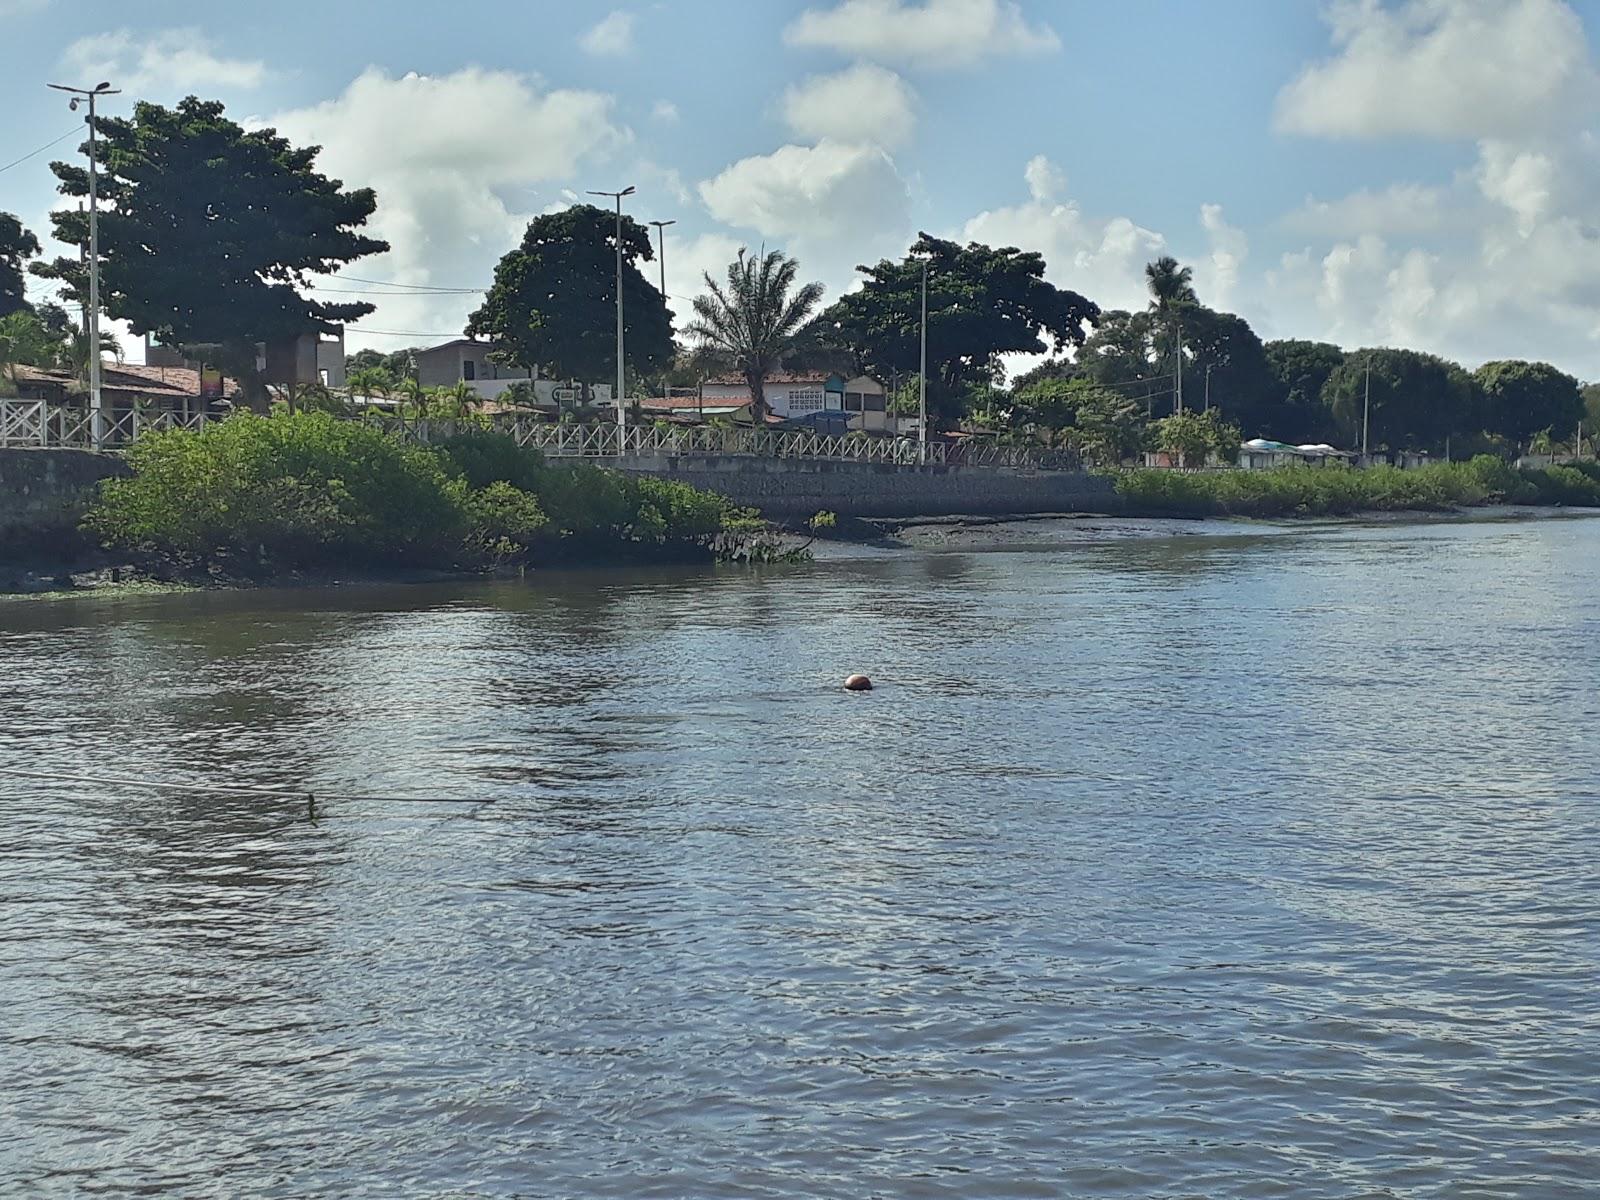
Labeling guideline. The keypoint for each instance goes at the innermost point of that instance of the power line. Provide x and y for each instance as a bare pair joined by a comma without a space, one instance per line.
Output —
412,287
40,150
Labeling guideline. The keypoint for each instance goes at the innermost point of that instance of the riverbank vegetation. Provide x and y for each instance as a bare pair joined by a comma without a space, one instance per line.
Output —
261,495
1338,491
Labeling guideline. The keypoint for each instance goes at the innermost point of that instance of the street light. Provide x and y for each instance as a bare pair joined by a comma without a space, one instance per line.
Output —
622,413
922,390
96,410
661,252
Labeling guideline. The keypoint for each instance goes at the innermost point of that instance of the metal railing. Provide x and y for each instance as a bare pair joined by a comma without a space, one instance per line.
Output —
40,423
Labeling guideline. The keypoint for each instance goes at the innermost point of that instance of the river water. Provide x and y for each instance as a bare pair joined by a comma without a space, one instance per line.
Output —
1251,862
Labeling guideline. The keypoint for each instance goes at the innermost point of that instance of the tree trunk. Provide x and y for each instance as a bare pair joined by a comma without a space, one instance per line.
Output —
758,401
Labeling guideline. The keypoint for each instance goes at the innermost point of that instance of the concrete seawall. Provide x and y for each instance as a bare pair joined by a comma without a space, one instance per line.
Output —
794,489
43,495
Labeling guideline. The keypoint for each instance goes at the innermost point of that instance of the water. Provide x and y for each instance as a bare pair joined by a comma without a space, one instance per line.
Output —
1232,864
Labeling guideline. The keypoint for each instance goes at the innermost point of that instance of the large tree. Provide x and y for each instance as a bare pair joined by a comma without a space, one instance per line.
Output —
757,320
209,234
1299,371
982,303
1525,398
553,306
17,245
1419,401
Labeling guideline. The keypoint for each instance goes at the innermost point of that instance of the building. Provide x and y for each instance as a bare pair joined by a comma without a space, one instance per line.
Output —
468,361
309,358
1260,454
799,394
178,389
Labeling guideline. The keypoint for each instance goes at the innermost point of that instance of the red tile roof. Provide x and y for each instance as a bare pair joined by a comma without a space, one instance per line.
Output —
155,382
694,403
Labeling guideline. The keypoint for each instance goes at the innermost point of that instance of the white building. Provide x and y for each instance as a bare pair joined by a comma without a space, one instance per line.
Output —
803,393
465,360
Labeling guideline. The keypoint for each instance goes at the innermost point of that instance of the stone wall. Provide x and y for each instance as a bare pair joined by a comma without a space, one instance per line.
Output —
794,489
43,494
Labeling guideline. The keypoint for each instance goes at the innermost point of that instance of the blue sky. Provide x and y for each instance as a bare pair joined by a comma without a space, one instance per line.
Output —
1396,172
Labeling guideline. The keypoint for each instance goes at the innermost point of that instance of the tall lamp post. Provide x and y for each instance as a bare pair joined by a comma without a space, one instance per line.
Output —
922,389
622,412
96,408
661,251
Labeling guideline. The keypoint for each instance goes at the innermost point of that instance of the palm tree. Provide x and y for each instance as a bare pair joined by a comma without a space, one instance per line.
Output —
367,382
1169,284
755,321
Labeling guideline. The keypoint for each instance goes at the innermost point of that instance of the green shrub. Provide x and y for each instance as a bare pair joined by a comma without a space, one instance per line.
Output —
295,490
1340,491
1566,485
482,458
505,522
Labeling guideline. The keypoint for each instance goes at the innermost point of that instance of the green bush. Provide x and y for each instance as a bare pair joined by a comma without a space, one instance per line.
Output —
294,490
1340,491
482,458
306,489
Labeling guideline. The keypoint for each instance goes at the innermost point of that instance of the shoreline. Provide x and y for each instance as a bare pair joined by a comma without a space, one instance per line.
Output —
104,576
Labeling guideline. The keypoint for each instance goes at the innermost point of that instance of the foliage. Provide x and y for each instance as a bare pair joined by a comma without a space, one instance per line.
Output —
1522,398
1299,371
1418,400
1169,284
1094,420
756,319
1183,437
17,245
399,364
982,303
369,381
208,233
1336,491
553,304
299,490
289,491
24,341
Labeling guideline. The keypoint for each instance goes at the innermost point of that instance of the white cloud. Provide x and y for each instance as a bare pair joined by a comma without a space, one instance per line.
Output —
1218,275
168,62
454,190
665,111
830,190
1522,181
1046,181
612,36
1401,208
863,103
1444,69
1101,258
933,33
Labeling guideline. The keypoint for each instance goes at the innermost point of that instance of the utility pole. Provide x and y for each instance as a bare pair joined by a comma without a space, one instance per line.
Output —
97,418
1208,387
1366,410
1177,371
923,390
622,411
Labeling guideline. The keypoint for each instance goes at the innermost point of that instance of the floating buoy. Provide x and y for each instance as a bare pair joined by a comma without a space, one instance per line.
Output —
858,683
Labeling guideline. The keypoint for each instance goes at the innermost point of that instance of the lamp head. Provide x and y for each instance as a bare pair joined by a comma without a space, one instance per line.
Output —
103,87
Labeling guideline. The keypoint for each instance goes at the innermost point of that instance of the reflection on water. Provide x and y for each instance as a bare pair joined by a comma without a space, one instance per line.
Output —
1232,864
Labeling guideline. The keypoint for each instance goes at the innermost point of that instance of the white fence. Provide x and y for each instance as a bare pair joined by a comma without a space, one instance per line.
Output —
39,423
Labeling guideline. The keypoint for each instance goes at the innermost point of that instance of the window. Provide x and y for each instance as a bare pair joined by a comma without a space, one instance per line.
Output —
805,400
469,369
873,401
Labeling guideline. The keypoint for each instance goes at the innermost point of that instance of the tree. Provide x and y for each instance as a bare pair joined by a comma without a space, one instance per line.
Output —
1187,437
1522,398
17,245
757,319
1098,422
1591,413
1122,353
982,303
553,306
208,234
1169,284
1242,385
369,381
1419,401
1299,371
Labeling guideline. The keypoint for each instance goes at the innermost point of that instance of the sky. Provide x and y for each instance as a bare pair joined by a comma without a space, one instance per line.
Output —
1419,173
